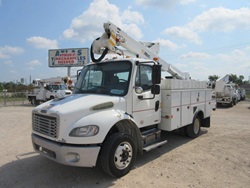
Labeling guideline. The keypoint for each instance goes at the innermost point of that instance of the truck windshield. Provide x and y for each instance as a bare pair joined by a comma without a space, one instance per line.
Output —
59,87
108,78
56,87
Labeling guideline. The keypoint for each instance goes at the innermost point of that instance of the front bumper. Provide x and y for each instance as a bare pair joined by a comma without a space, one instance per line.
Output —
223,100
73,155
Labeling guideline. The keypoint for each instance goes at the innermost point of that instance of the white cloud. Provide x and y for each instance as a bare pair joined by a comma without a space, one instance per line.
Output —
132,16
4,56
201,65
167,44
7,51
13,71
213,20
235,62
183,33
41,42
89,24
185,2
8,62
34,63
166,4
221,20
196,55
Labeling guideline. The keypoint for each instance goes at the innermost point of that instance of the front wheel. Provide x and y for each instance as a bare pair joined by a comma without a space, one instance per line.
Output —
33,100
231,104
118,154
193,130
235,101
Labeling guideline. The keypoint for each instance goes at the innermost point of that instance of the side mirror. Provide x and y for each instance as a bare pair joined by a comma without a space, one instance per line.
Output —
155,89
156,74
78,73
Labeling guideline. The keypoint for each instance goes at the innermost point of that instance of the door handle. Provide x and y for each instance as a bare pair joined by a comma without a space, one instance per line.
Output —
157,105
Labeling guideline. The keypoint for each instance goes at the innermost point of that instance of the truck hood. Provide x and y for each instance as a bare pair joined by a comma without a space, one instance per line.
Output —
79,110
82,103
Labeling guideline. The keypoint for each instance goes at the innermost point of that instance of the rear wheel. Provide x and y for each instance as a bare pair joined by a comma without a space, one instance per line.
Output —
235,101
193,130
118,154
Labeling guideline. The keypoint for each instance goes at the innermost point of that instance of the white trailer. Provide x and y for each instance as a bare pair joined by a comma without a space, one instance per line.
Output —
119,108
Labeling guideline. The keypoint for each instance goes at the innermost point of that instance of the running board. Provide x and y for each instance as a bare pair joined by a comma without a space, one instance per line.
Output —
155,145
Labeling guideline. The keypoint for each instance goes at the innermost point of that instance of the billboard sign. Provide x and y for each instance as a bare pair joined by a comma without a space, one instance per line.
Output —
72,57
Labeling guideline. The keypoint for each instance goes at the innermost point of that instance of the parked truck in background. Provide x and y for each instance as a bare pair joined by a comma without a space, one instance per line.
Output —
119,107
242,93
225,92
47,89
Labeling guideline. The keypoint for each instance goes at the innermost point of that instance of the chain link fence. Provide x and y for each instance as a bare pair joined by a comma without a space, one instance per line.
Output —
13,99
20,98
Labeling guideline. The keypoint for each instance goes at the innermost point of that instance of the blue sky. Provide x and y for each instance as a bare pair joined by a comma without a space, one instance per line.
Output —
196,36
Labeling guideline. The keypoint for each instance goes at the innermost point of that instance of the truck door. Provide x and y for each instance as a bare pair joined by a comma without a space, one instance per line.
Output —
146,106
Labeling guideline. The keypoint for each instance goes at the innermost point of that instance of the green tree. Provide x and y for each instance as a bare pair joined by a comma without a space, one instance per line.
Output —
240,80
235,79
14,87
1,86
213,78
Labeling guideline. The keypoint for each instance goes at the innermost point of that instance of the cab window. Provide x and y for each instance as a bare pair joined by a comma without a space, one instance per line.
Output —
144,77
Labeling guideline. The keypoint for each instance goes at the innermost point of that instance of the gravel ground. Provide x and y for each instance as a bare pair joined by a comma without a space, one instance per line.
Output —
219,157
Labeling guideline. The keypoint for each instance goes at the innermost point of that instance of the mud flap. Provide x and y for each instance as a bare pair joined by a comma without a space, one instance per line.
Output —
206,122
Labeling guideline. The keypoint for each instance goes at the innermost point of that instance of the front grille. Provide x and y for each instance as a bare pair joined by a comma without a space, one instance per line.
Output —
47,125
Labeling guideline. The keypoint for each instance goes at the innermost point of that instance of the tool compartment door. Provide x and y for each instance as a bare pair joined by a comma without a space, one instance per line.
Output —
171,110
185,108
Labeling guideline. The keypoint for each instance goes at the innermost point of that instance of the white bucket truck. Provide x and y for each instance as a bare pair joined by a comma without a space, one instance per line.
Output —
225,92
47,89
119,108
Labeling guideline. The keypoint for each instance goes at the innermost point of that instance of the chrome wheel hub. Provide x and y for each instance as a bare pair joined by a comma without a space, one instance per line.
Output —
123,155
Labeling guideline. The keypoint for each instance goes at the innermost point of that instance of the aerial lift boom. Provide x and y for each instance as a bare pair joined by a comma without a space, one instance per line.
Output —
114,36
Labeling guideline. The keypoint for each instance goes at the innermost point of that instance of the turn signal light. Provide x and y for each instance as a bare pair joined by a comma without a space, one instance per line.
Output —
156,59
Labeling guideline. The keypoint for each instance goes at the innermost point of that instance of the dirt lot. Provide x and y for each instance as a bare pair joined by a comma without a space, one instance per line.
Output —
220,157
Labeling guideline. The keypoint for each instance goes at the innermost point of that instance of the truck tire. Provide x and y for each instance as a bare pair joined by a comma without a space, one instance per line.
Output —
118,154
193,130
235,101
33,100
37,102
218,104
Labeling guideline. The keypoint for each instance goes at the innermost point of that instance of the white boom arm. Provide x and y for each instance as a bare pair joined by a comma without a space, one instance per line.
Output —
221,82
114,36
52,80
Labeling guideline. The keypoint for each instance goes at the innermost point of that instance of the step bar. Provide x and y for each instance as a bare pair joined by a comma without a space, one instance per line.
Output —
152,139
155,145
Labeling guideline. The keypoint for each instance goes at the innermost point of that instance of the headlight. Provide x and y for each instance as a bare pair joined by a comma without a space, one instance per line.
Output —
85,131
